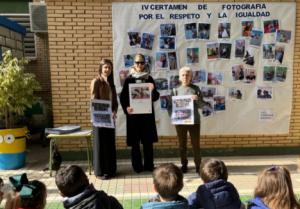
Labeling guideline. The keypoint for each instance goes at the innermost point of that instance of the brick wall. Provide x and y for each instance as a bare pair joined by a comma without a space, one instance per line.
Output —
80,34
11,40
41,68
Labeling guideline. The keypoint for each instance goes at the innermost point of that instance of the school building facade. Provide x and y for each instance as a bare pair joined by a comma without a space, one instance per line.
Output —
80,34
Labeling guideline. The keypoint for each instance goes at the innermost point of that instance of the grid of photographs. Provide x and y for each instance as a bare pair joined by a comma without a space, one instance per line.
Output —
246,50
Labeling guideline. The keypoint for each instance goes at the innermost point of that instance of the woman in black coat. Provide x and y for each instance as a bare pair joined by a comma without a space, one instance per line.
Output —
141,128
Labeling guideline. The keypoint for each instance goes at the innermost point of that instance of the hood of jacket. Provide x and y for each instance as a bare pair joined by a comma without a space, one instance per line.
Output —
88,192
256,203
165,205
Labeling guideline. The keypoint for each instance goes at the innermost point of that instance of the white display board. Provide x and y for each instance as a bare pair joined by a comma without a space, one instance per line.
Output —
241,55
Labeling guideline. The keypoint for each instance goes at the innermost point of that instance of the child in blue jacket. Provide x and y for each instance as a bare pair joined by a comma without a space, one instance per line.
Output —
216,192
167,182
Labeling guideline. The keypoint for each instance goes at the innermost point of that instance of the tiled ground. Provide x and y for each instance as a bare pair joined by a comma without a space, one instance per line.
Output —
128,185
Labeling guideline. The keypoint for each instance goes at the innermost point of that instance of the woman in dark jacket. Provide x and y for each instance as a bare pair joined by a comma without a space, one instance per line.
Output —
141,128
104,147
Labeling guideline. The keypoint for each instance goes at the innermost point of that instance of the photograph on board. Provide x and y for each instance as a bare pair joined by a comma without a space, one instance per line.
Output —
203,31
167,29
247,28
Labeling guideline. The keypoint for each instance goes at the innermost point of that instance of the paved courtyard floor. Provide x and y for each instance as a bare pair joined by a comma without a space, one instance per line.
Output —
127,185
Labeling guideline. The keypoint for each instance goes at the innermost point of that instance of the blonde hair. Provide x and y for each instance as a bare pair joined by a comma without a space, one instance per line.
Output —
185,69
139,58
274,187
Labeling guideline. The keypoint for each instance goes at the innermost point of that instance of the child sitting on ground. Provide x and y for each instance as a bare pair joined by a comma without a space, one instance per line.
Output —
74,185
25,194
216,192
167,182
274,190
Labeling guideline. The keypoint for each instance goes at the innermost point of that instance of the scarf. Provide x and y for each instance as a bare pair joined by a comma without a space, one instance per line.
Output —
140,75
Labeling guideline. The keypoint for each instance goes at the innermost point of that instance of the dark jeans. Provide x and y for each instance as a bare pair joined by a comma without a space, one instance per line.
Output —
194,132
136,157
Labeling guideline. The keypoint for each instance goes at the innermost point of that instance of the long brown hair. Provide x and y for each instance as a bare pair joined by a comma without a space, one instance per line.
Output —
274,187
110,78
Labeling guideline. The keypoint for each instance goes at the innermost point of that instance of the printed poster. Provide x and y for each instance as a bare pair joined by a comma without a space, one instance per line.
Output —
101,113
182,110
140,98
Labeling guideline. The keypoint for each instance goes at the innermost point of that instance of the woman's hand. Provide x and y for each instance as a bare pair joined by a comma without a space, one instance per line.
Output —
194,97
12,200
151,86
129,110
114,115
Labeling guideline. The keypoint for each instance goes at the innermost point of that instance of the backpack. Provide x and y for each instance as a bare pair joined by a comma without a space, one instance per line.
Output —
56,158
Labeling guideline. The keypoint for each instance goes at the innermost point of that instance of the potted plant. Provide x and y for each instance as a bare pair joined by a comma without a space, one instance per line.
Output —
16,95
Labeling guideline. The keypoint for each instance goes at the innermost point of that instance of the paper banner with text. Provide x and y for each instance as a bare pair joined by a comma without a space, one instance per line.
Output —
241,55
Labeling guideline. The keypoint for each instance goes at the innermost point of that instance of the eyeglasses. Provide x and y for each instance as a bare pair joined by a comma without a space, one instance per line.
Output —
142,63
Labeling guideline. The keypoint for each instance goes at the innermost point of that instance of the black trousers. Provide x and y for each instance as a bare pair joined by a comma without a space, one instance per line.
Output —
104,151
136,156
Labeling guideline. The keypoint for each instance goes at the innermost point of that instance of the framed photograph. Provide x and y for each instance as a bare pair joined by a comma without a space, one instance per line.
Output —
240,48
161,83
147,41
270,26
182,110
224,30
249,56
279,53
215,78
192,55
140,98
281,73
250,75
167,42
235,93
190,31
172,58
238,72
225,50
167,29
283,36
208,92
134,39
123,73
101,113
128,60
212,50
268,51
247,28
161,61
264,92
208,108
269,73
199,76
256,37
204,31
219,104
165,102
174,81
